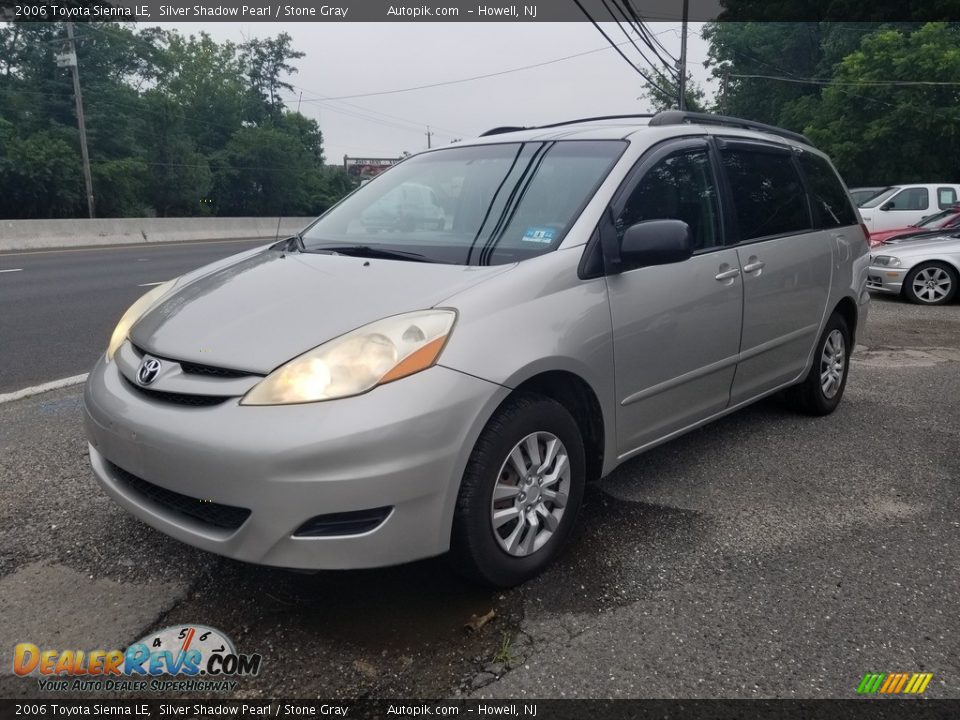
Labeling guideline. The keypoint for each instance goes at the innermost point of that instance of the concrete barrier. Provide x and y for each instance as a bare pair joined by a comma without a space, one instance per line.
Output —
37,234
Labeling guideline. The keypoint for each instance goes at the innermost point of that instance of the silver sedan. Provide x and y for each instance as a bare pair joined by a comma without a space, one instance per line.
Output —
924,271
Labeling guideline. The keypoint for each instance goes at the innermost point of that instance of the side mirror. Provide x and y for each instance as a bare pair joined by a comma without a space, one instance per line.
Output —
887,206
656,242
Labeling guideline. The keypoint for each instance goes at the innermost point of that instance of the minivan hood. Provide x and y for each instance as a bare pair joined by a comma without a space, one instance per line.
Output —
264,309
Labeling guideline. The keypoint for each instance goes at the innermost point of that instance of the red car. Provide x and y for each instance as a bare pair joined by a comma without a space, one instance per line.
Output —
945,219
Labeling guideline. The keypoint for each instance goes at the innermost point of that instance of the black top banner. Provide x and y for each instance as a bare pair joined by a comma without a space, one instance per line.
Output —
472,10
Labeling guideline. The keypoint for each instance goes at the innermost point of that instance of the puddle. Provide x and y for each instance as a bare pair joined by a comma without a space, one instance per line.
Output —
622,550
390,632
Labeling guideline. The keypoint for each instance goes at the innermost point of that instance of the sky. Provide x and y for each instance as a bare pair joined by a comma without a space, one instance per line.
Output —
346,59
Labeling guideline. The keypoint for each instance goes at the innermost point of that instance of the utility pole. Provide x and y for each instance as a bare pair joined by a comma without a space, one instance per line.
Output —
723,93
71,61
429,136
682,84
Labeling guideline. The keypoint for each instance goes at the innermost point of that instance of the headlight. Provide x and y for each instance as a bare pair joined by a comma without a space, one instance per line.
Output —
134,313
351,364
888,260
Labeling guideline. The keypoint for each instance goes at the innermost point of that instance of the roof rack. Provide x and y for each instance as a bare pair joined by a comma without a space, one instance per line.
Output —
506,129
669,117
503,129
678,117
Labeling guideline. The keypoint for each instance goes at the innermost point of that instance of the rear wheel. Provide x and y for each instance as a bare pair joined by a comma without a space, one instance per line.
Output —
520,493
822,389
931,283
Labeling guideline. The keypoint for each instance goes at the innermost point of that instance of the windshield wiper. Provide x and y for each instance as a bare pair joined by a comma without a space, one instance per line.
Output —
372,252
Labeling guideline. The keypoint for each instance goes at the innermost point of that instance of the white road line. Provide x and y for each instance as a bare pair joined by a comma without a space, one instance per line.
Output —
46,387
152,284
13,270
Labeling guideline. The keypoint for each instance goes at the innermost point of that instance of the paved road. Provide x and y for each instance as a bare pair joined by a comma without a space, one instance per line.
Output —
58,307
766,555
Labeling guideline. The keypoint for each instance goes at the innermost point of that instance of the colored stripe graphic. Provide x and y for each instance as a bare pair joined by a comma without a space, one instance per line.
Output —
894,683
870,683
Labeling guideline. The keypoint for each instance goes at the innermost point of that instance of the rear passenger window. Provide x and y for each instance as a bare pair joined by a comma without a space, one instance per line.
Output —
946,197
831,207
909,199
767,193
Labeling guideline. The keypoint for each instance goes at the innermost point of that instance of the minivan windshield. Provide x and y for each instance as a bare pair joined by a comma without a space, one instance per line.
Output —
877,200
476,205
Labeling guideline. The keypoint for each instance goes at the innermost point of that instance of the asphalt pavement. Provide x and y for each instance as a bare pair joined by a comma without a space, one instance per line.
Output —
58,307
766,555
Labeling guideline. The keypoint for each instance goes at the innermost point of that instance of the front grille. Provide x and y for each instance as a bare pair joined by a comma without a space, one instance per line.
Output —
345,523
874,281
196,369
178,398
227,517
192,368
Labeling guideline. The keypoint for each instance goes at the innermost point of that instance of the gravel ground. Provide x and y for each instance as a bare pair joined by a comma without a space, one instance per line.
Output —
766,555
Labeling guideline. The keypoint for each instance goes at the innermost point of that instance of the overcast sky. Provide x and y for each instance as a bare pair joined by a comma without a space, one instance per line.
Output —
356,58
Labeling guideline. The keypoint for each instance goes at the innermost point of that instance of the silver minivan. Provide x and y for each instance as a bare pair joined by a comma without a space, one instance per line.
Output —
349,398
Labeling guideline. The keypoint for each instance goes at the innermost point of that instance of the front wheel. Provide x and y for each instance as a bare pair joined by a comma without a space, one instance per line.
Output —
931,283
520,494
822,389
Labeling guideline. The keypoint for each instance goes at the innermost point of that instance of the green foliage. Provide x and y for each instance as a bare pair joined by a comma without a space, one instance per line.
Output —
894,133
176,126
696,98
876,133
40,175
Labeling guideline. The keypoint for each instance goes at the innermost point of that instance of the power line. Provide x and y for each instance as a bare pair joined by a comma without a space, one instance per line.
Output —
652,65
826,81
650,37
480,77
616,47
323,100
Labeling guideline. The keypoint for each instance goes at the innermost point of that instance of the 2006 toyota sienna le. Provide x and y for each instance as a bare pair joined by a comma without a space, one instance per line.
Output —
354,397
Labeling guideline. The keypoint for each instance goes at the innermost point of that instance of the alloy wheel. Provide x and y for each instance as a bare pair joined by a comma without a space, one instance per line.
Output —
932,284
531,493
833,359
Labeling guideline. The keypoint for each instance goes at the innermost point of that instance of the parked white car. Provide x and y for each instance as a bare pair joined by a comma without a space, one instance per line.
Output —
902,205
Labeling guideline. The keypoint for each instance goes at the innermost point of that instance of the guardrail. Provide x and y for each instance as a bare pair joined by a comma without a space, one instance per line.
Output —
40,234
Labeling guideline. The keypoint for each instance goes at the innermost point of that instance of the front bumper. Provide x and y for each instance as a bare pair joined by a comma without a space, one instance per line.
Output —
882,278
404,446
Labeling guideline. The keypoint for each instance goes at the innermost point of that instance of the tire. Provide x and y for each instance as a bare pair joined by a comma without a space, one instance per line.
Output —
936,284
478,550
810,396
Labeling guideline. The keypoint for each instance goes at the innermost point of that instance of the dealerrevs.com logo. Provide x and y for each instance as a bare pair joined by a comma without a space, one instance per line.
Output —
177,658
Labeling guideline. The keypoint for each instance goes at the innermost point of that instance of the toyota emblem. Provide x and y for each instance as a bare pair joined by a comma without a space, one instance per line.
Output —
149,369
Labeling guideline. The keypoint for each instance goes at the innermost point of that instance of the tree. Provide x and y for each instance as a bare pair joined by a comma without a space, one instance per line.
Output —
176,125
39,175
887,133
265,63
266,171
696,97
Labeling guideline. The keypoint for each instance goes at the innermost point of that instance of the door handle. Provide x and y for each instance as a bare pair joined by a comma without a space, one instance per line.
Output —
754,265
728,274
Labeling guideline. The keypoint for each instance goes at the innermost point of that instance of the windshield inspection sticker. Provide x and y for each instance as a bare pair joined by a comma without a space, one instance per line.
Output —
539,235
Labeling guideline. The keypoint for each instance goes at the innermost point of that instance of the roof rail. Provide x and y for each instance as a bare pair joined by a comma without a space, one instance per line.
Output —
678,117
508,128
503,129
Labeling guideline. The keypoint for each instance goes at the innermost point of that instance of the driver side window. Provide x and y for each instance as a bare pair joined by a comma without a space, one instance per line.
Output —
679,187
911,199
